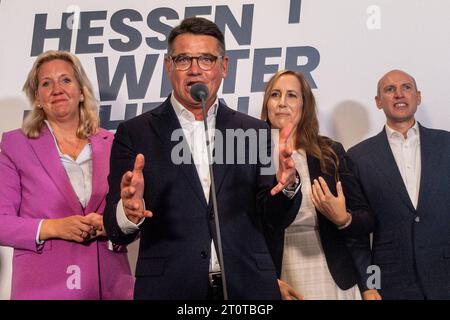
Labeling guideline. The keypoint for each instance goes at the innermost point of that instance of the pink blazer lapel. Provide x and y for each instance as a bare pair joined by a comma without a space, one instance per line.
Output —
46,152
101,148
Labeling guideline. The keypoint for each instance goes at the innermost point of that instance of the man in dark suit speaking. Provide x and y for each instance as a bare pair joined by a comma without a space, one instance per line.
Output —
168,201
405,174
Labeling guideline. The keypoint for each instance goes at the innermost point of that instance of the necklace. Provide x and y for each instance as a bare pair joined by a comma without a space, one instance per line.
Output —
70,148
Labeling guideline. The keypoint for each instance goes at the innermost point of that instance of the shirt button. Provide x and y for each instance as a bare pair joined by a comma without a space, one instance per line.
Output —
417,219
203,254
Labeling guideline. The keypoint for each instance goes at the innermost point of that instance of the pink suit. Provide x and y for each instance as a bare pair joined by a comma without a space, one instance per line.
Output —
35,186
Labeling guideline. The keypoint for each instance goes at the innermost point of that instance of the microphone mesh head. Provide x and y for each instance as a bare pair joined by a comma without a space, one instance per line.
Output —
199,92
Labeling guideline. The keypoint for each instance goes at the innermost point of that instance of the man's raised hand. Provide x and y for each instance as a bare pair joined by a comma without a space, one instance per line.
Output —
286,170
132,192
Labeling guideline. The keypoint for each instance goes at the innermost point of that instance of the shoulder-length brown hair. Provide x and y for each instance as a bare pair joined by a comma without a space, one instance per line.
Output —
306,133
34,121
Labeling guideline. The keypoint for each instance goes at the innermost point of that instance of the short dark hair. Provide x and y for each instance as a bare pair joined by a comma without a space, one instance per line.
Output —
198,26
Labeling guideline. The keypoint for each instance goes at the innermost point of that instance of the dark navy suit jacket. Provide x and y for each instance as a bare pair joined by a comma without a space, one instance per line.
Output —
339,259
174,253
411,246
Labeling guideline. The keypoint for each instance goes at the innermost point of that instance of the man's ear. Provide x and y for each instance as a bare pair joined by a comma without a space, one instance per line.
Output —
378,102
224,67
167,63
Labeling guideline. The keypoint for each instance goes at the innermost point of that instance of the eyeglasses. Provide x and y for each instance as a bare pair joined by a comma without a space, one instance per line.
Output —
206,62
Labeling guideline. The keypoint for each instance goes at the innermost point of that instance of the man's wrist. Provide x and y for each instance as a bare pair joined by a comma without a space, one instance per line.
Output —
125,224
294,186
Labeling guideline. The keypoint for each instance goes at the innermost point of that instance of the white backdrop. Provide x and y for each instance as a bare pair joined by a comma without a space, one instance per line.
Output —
345,46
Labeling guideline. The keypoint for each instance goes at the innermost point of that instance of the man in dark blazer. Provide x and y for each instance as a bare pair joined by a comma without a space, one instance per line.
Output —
169,203
404,172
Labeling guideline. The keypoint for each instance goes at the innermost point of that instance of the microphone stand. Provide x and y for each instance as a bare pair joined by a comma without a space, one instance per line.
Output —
214,200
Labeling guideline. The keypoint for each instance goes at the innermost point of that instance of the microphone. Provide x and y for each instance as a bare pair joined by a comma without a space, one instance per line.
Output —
199,92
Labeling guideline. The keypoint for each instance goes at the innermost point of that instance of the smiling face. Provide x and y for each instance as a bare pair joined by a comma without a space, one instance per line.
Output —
195,45
398,97
58,92
285,102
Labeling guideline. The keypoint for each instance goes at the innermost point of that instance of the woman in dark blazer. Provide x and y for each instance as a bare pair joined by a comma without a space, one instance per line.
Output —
312,255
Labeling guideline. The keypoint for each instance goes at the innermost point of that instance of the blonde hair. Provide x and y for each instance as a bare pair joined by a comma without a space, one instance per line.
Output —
306,132
88,108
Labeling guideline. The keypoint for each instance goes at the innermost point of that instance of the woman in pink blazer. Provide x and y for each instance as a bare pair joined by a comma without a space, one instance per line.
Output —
54,182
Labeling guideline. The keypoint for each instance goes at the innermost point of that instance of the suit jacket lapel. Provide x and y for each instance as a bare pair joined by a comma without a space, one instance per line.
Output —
315,172
428,159
223,122
164,122
389,169
314,168
46,152
100,153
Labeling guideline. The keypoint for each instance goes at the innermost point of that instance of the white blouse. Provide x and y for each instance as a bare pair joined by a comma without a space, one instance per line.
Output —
79,171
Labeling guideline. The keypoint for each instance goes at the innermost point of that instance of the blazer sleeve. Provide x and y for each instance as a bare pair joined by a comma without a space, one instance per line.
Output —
357,234
122,160
15,231
362,217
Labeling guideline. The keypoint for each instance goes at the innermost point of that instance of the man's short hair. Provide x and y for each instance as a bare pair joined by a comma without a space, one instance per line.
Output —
197,26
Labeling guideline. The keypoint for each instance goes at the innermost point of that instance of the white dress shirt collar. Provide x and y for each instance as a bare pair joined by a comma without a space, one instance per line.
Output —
412,133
